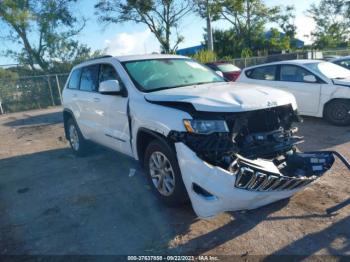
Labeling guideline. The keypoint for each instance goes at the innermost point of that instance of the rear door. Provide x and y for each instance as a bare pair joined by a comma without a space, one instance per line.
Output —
307,95
85,100
71,91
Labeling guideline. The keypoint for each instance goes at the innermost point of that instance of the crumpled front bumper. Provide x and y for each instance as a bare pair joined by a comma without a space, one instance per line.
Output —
213,190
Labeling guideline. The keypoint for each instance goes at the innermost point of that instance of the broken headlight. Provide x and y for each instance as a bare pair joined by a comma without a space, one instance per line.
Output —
205,127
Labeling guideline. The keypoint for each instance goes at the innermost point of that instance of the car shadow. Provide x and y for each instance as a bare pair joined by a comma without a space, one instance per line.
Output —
312,243
35,120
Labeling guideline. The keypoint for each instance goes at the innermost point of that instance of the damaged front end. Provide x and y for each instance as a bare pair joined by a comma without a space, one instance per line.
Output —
253,163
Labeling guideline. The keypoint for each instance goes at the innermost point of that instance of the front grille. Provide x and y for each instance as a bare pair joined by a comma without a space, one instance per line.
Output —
249,179
298,170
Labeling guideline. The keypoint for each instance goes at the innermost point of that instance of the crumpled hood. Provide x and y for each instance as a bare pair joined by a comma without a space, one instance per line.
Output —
225,97
343,82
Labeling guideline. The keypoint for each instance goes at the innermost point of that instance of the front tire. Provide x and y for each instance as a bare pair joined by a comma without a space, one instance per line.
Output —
338,112
77,142
164,174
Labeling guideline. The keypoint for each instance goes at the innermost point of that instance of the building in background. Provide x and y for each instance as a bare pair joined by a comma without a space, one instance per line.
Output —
190,50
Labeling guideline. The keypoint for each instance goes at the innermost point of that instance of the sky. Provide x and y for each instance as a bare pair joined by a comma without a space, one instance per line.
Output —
131,38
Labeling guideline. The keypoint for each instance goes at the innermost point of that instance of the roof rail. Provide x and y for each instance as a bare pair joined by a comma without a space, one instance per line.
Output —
99,57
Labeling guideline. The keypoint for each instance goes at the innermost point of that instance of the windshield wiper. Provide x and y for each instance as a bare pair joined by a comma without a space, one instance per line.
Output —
190,84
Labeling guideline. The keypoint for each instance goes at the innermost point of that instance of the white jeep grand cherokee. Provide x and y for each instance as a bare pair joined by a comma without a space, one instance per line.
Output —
225,146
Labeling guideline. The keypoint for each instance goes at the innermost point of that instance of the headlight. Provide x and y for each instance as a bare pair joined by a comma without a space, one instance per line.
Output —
205,126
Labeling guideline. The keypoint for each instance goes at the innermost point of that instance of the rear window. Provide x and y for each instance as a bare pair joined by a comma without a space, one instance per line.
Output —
344,63
74,79
226,68
262,73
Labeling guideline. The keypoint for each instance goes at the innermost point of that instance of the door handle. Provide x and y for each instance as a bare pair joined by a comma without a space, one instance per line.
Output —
96,99
75,95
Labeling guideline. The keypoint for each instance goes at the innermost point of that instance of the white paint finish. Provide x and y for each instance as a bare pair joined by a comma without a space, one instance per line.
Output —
110,113
220,183
225,97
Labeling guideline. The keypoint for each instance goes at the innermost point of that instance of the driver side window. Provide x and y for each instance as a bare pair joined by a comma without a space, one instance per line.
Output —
291,73
108,72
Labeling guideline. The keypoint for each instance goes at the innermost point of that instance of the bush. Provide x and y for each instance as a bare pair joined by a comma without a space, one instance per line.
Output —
227,59
205,56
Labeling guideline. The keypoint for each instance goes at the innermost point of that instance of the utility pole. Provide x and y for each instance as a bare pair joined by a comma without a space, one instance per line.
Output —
209,29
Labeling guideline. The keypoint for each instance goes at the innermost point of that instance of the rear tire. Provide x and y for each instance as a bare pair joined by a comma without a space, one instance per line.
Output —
77,142
338,112
164,175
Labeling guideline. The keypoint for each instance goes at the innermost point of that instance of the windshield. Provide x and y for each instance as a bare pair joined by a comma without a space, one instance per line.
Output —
158,74
329,70
225,68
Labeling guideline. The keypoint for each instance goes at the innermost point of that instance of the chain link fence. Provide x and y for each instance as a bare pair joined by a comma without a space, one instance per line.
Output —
32,92
344,52
252,61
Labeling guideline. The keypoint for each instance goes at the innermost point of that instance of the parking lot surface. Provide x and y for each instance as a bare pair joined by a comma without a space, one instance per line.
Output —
55,203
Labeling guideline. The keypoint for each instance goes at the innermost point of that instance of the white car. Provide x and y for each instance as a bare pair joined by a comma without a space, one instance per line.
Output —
322,89
224,146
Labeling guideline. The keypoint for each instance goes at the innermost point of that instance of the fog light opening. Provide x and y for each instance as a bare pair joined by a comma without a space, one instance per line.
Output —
202,192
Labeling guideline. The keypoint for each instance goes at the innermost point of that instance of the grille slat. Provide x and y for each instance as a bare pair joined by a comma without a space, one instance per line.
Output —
257,181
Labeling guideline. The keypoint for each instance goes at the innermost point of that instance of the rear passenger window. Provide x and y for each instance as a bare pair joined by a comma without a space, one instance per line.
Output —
263,73
291,73
74,79
89,78
345,63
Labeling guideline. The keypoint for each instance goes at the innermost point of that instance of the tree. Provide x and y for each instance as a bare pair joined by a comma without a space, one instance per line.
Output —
332,18
248,18
277,41
162,17
285,20
44,30
226,43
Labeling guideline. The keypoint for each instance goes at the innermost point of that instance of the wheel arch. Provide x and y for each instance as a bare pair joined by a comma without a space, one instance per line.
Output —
144,137
67,114
331,101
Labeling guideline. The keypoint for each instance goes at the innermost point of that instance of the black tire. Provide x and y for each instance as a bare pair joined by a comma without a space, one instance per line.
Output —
178,196
83,148
337,112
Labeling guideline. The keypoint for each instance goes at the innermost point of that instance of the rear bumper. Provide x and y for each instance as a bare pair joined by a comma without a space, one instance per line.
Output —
213,190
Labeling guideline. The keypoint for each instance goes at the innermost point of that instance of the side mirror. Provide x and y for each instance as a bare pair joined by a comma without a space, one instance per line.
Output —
219,73
310,79
110,87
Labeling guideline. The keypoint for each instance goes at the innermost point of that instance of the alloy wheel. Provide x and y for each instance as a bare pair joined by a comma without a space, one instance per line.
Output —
162,173
73,137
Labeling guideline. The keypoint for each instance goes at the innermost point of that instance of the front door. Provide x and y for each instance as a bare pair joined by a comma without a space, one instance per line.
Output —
307,94
111,114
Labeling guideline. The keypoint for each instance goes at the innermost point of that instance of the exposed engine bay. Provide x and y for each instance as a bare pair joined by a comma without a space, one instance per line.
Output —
260,149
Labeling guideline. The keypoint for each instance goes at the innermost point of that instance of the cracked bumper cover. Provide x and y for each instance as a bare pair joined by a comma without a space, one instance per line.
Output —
213,190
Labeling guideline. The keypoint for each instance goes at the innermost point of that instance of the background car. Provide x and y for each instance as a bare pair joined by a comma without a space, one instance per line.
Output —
331,57
342,61
229,70
322,89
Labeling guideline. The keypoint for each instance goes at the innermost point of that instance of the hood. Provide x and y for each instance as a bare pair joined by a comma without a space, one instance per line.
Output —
225,97
342,82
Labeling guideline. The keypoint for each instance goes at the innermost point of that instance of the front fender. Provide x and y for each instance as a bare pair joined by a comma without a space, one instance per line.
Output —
156,118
